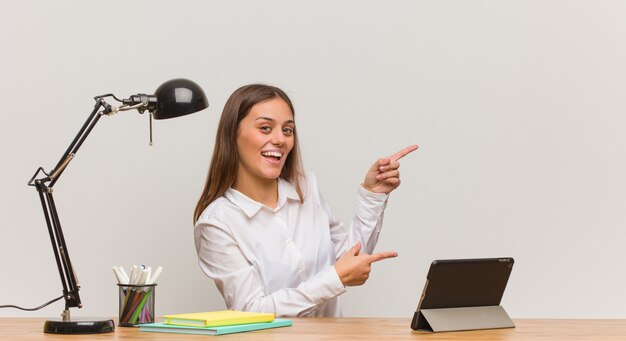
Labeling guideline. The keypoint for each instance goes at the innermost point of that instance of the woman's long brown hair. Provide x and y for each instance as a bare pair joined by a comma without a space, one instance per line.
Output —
225,159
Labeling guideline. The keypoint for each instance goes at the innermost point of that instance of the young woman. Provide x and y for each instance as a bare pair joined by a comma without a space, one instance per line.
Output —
264,233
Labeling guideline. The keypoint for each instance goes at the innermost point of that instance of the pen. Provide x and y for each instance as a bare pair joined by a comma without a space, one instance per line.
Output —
124,275
143,276
134,275
149,276
118,275
156,275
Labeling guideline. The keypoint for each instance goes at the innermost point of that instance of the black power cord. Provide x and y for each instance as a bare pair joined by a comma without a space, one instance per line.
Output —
32,309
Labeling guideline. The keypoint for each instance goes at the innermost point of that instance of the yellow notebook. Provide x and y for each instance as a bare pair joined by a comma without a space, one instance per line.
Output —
217,318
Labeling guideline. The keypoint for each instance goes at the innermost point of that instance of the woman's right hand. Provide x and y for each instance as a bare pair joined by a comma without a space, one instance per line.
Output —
354,267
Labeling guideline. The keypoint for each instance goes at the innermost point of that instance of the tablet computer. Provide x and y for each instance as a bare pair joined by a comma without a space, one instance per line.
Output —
462,283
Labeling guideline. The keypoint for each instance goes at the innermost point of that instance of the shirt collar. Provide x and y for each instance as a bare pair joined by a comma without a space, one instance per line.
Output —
286,191
250,207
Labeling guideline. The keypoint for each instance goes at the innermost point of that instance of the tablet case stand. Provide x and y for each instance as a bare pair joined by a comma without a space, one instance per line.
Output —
465,318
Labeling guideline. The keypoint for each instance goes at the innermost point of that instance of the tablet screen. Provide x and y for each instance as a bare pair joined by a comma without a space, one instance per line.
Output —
466,283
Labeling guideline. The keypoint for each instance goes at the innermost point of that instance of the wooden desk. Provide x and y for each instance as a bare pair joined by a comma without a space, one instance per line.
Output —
352,329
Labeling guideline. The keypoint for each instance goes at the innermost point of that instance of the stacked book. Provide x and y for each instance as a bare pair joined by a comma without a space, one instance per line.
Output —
215,323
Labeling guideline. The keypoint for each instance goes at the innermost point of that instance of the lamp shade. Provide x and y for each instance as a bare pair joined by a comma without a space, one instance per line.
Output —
179,97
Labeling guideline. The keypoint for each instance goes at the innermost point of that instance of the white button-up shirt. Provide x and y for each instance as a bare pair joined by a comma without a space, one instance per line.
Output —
282,260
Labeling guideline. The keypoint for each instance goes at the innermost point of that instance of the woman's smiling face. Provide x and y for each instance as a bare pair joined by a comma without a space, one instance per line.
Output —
264,139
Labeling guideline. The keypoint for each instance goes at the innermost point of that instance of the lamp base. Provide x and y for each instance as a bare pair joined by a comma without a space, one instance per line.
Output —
78,327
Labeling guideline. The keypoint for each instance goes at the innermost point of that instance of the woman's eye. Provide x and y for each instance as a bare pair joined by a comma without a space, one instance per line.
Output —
265,128
287,131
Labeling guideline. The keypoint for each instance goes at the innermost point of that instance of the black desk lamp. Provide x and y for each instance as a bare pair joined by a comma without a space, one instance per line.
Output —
173,98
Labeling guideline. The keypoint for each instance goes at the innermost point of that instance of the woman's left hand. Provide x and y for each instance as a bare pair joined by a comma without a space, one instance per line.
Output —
383,176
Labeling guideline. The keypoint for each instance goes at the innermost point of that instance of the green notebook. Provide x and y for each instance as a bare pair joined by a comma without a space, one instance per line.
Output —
160,327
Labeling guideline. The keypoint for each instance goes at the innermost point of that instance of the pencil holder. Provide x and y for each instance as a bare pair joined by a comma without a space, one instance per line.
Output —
136,304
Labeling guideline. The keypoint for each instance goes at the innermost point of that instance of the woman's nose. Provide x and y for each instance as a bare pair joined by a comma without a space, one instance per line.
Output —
278,139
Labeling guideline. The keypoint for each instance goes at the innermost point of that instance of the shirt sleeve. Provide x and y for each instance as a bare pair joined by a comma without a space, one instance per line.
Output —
221,258
365,225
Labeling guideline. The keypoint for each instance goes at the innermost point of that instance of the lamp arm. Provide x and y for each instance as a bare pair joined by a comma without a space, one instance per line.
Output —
84,131
69,280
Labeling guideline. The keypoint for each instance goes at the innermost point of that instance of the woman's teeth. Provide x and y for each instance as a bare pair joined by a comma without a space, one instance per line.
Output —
273,154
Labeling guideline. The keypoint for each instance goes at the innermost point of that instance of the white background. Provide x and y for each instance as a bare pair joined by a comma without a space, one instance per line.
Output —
518,108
